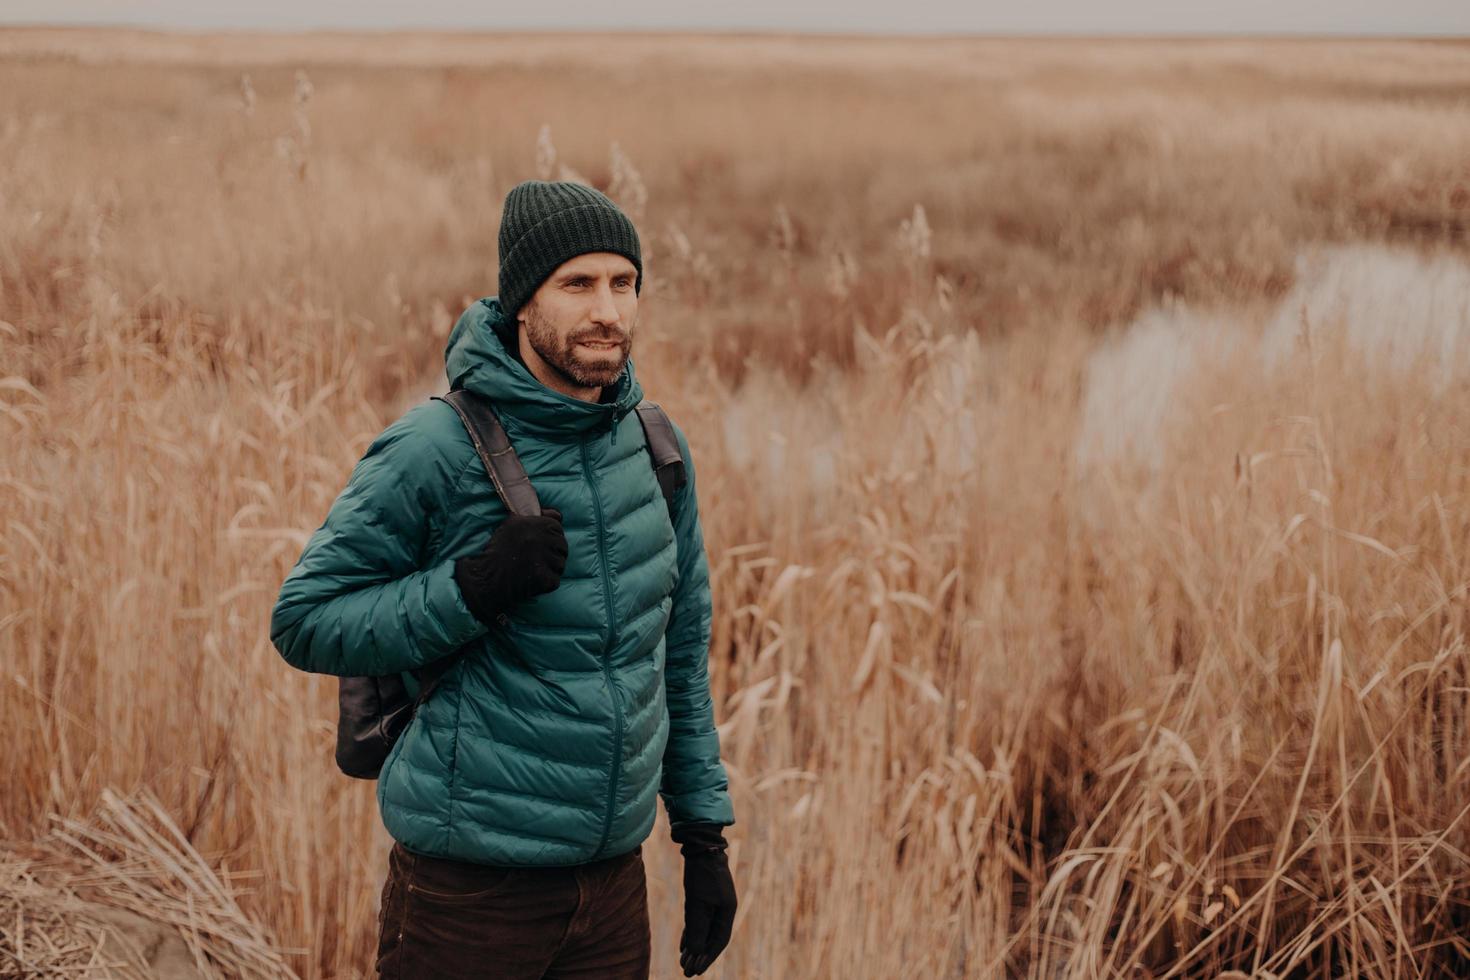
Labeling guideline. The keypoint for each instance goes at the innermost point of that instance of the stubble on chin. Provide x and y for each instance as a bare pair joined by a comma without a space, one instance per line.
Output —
563,357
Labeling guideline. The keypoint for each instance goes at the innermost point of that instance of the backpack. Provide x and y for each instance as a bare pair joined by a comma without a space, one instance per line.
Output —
374,711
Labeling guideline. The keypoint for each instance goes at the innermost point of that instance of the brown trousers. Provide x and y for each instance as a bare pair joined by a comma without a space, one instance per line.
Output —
452,919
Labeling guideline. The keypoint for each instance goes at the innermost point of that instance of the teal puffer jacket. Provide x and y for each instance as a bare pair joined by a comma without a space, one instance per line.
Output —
548,741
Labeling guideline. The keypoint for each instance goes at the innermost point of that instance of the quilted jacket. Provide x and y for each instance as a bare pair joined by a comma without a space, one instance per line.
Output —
549,740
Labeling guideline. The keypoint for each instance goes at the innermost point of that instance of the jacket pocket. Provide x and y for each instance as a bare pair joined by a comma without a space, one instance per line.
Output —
459,672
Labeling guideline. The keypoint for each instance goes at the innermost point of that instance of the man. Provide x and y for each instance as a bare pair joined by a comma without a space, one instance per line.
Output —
521,792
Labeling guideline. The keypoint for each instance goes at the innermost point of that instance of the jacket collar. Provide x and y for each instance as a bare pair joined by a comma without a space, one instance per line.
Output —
476,358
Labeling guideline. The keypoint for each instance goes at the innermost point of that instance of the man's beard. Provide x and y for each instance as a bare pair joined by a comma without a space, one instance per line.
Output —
564,358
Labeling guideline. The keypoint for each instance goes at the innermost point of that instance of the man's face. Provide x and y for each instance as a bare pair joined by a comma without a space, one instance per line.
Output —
580,321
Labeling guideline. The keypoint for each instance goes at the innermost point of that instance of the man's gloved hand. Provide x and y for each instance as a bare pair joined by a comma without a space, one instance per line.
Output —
523,558
709,895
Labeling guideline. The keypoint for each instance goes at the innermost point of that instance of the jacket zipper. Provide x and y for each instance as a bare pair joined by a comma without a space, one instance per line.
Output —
617,753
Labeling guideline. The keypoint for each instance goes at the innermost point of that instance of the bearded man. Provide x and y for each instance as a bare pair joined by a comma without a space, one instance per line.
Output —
521,792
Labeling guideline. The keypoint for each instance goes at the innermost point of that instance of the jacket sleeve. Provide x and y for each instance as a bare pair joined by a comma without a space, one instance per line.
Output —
358,602
695,788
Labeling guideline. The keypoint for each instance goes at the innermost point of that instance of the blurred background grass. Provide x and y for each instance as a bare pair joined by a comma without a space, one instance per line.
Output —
1089,579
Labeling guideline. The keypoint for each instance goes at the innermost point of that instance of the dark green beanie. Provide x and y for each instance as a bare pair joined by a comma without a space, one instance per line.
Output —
546,222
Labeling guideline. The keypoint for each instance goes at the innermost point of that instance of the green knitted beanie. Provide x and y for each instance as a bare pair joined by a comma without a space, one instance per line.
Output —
546,222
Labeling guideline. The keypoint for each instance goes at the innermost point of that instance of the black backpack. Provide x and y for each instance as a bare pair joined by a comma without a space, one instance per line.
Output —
374,711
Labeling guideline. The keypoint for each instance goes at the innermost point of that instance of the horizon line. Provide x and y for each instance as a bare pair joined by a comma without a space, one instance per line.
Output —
753,32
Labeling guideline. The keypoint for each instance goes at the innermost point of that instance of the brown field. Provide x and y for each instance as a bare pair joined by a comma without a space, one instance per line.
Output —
1082,433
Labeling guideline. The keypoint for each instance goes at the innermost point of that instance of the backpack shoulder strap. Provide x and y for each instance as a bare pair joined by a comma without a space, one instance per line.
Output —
663,447
495,450
511,483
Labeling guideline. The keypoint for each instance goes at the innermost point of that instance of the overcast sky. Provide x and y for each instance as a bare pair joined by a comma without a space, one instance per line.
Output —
1437,17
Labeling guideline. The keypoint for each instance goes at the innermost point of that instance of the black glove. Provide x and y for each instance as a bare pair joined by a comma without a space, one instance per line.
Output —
524,557
709,895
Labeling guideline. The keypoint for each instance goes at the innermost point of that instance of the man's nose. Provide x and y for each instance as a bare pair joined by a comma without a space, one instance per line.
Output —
604,310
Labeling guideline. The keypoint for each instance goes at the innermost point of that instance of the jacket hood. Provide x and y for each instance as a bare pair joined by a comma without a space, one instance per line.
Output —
477,359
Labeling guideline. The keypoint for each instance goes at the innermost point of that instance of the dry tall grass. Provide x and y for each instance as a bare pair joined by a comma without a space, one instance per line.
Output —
991,704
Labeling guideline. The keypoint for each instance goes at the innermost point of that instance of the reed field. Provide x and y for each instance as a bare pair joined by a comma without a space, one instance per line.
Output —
1082,433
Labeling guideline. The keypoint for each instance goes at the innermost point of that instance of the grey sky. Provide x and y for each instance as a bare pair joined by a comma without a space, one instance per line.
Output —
1437,17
